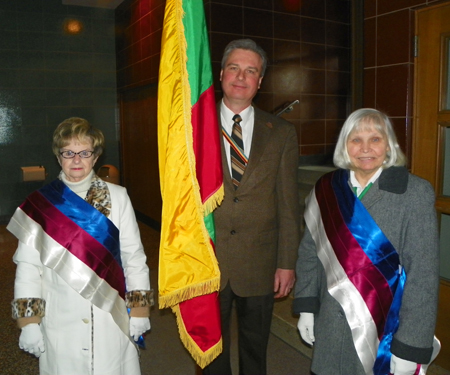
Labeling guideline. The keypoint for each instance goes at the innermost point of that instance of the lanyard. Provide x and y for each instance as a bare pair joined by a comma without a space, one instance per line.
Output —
366,189
233,144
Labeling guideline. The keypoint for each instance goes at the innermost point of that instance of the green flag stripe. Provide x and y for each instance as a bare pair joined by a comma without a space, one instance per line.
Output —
198,55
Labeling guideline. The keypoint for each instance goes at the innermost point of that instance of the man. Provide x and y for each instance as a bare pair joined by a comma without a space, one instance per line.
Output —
257,224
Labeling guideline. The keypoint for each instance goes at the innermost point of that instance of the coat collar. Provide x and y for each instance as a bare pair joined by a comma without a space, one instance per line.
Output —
392,180
261,136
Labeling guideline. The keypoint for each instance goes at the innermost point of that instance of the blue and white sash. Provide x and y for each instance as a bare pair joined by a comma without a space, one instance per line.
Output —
363,269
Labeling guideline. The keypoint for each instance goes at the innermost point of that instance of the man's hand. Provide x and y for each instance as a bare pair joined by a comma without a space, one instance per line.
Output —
284,282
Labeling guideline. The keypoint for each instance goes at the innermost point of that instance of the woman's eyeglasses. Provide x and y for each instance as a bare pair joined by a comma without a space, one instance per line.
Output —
71,154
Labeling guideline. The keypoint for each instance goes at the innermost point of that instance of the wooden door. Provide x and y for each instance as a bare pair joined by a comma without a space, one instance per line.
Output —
431,140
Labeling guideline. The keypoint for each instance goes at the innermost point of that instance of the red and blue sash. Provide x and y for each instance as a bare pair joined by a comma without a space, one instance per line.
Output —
78,242
80,228
363,269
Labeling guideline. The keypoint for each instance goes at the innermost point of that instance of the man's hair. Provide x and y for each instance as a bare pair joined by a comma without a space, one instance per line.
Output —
248,45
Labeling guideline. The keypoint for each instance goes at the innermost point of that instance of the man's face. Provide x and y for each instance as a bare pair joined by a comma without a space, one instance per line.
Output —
241,77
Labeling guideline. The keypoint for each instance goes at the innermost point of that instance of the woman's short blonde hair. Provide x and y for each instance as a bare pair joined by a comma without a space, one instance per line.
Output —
80,129
358,120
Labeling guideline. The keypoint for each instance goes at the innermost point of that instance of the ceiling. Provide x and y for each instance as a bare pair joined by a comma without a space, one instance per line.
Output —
110,4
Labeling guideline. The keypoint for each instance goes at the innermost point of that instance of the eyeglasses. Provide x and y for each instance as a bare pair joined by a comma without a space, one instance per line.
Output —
82,154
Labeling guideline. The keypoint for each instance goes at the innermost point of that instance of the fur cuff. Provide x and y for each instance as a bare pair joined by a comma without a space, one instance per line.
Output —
139,298
27,307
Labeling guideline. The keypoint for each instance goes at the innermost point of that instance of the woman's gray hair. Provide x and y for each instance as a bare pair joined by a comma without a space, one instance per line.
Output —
359,120
246,44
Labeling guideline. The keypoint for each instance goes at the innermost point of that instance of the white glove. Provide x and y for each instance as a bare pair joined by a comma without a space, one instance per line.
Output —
401,366
138,326
31,339
306,327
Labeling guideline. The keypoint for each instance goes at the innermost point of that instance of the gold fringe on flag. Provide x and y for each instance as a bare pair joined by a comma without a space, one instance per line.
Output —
188,267
213,201
201,358
191,291
176,143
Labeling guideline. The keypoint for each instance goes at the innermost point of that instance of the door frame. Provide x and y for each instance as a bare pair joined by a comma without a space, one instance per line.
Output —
429,123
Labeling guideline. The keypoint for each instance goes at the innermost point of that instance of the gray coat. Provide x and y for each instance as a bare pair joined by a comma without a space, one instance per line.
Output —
403,207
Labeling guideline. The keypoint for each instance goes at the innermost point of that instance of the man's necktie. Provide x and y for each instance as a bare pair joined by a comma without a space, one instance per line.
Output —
238,164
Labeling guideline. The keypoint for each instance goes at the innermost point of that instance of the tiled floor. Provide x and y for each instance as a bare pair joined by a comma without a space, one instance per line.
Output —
164,355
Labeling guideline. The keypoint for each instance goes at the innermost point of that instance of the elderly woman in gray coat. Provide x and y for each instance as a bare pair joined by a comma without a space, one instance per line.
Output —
367,270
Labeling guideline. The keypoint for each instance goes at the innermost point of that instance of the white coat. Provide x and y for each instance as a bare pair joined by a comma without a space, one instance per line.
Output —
79,337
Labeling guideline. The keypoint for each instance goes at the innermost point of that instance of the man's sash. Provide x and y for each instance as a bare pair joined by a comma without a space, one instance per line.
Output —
78,242
363,269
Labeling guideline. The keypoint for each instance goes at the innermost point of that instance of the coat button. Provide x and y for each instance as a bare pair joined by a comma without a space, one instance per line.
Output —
233,232
85,320
235,200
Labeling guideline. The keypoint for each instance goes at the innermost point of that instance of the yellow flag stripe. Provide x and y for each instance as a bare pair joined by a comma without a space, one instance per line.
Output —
188,266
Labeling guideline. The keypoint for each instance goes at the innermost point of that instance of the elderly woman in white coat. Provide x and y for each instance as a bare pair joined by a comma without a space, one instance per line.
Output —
82,291
367,270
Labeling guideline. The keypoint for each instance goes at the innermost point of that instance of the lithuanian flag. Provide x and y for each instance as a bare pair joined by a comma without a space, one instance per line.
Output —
191,179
